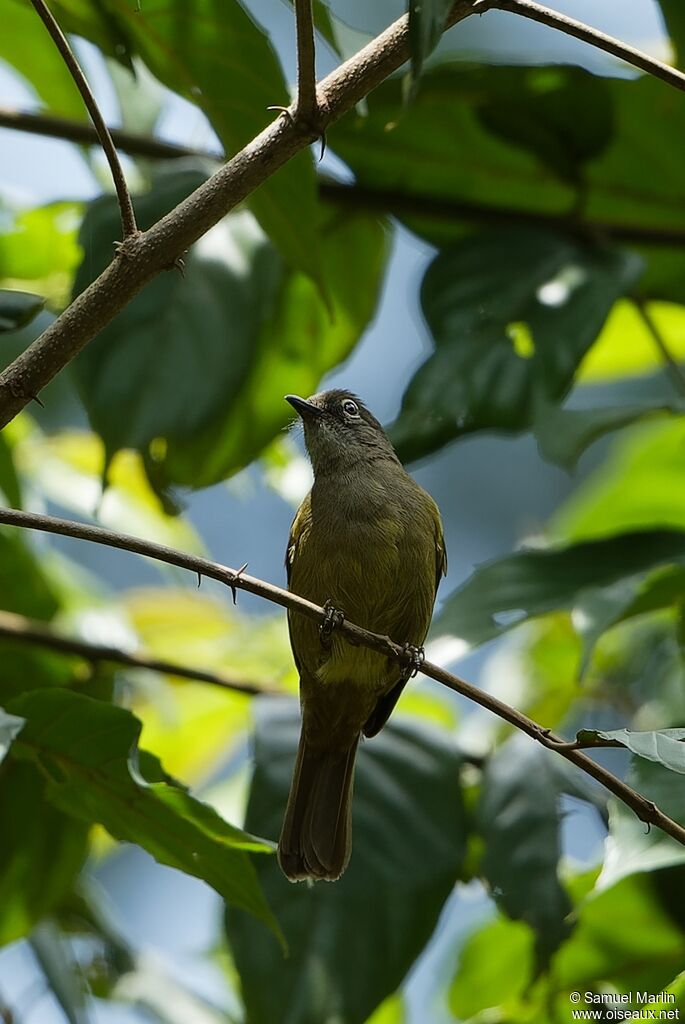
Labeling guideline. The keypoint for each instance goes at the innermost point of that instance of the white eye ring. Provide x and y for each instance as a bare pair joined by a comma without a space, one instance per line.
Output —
350,408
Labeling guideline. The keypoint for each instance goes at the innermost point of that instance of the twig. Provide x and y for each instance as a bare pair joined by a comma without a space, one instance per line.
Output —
675,371
306,108
579,30
401,203
644,809
128,217
17,628
54,127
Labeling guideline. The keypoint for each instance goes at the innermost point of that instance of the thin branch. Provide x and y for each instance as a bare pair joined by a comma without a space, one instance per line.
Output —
674,369
411,205
37,634
306,108
579,30
54,127
128,217
235,579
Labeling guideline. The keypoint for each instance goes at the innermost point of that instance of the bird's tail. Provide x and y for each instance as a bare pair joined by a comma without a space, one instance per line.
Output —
316,838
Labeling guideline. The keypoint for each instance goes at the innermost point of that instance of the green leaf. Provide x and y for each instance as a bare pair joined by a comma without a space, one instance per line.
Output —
39,250
674,16
507,591
512,313
495,968
518,816
664,746
626,346
219,59
18,309
639,487
426,24
384,909
300,341
24,586
596,611
42,849
100,22
10,488
26,46
658,783
10,726
85,745
623,937
180,352
564,434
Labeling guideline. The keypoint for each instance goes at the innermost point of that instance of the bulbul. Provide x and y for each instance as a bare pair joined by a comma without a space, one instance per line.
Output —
367,542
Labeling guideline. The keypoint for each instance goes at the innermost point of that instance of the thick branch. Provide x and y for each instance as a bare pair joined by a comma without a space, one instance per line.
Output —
54,127
306,108
37,634
128,217
235,579
144,256
579,30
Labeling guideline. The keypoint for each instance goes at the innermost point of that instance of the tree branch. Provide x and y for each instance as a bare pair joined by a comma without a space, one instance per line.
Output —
37,634
306,108
235,579
54,127
405,204
128,217
145,255
579,30
674,369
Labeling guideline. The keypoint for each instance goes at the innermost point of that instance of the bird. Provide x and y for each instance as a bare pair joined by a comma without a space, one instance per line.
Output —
367,544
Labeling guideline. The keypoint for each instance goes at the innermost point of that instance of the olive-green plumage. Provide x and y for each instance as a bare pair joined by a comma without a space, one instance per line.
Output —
367,540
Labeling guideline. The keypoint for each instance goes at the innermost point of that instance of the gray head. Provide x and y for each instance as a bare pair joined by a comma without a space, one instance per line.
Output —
339,430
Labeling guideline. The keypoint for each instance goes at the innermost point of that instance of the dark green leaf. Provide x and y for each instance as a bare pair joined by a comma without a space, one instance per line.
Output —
352,942
659,784
505,592
100,22
426,24
18,309
86,746
180,352
299,342
564,434
664,746
41,852
24,587
512,313
563,116
10,487
495,967
518,817
674,16
215,55
10,725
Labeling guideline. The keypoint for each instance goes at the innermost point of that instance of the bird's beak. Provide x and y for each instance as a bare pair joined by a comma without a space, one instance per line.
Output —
306,409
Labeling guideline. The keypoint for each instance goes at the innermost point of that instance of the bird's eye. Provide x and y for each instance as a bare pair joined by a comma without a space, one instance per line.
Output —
350,408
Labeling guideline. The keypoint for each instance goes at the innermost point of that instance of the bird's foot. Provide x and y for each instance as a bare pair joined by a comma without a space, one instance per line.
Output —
332,619
413,659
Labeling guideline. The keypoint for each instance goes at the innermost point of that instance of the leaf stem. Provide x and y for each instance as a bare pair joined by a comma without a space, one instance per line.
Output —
675,371
644,809
306,109
128,218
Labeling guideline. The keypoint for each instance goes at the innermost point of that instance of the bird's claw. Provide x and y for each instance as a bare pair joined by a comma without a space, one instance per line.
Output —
413,658
332,619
